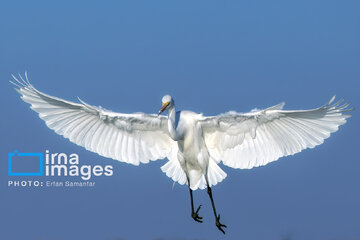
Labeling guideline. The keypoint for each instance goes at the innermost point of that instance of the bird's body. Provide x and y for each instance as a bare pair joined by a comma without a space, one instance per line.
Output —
193,144
192,154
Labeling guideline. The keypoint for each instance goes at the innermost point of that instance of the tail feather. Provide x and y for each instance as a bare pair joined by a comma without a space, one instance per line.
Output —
215,174
173,170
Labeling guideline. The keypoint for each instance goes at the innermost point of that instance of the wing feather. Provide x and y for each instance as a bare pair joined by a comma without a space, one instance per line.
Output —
131,138
247,140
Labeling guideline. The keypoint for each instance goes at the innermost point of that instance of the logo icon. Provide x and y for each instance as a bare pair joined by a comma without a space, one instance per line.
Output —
25,164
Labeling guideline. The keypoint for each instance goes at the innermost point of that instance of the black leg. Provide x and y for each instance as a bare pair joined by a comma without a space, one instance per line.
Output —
217,217
194,214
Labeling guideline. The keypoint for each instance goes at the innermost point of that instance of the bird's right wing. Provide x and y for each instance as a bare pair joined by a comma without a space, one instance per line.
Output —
131,138
247,140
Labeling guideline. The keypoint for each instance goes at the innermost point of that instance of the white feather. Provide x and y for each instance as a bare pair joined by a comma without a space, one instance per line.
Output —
269,134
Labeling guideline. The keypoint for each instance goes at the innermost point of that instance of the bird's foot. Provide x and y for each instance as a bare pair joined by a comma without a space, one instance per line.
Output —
220,225
196,216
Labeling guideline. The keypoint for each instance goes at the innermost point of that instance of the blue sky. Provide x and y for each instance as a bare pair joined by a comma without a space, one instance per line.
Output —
212,56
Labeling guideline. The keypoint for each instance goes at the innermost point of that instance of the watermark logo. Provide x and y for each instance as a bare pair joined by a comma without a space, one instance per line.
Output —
25,164
45,165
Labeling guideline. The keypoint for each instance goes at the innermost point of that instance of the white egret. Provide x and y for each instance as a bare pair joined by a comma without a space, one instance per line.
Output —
193,144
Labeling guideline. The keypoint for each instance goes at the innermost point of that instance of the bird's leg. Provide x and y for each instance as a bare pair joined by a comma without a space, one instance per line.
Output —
217,217
194,214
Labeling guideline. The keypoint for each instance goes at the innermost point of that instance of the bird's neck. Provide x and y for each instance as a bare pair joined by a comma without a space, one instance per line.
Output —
172,122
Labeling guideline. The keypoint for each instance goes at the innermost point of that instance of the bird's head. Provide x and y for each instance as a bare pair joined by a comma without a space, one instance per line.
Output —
166,102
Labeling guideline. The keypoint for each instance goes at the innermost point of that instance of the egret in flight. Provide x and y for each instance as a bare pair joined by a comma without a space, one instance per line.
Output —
194,144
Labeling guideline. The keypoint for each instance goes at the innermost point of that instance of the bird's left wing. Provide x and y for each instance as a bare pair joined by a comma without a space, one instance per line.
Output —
247,140
130,138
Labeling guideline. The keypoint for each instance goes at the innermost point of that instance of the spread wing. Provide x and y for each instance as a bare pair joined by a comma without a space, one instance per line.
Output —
247,140
130,138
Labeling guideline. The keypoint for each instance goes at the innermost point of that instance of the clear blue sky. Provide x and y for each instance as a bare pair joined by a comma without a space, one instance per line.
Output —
212,56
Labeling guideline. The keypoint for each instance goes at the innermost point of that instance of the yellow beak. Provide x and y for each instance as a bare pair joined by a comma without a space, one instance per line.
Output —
164,106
